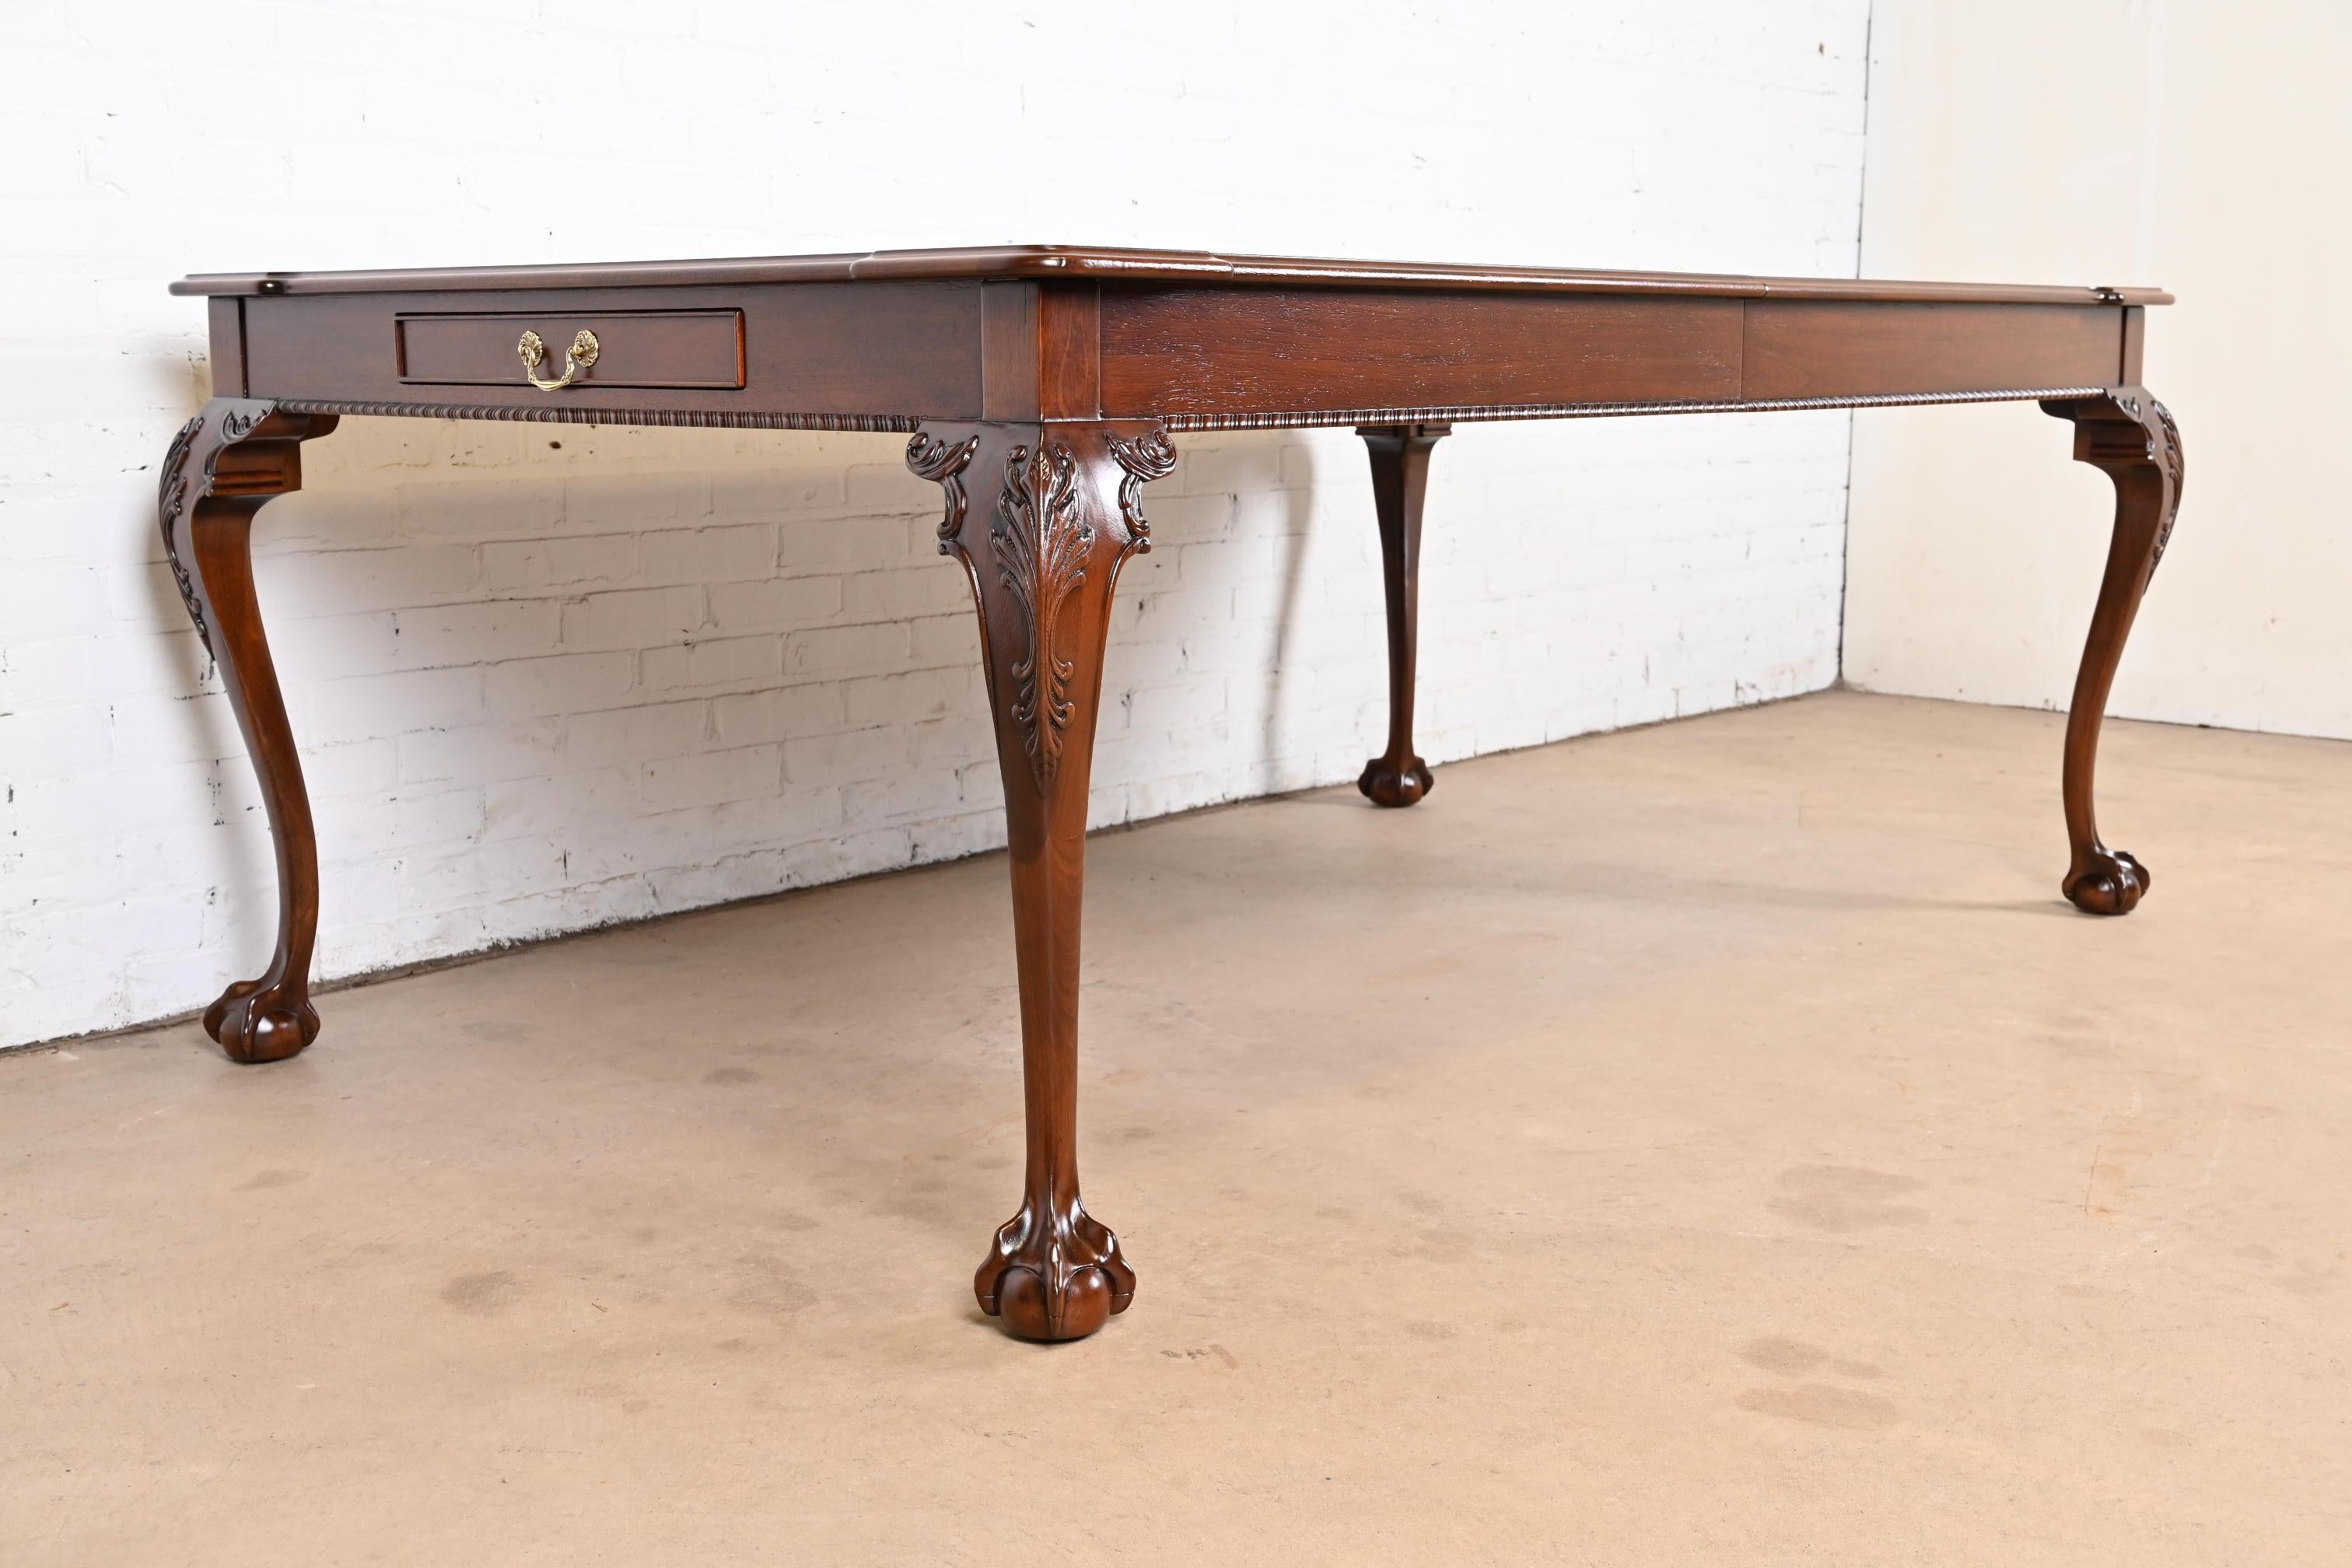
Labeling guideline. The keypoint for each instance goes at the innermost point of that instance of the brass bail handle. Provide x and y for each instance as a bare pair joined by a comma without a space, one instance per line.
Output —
533,354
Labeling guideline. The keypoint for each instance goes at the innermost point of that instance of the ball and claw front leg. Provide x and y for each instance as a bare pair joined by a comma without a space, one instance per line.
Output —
1054,1273
2111,884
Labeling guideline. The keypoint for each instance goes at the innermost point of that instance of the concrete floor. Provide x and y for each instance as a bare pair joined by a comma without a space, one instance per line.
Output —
1715,1144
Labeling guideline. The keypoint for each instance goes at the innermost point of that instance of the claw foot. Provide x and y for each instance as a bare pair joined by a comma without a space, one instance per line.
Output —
2112,883
257,1025
1053,1274
1384,783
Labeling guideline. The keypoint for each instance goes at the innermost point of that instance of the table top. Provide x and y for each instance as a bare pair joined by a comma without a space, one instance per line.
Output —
1157,267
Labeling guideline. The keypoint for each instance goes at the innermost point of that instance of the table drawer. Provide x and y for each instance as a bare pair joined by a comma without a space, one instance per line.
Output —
685,349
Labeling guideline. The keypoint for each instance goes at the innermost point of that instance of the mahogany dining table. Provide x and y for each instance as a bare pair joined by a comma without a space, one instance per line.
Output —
1042,386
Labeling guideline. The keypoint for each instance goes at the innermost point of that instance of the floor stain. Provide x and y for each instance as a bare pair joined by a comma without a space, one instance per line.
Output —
2081,1035
1442,1245
2307,1283
763,1285
1779,1353
2306,1278
1843,1199
262,1179
1816,1404
481,1295
2163,1116
921,1207
1823,1404
730,1076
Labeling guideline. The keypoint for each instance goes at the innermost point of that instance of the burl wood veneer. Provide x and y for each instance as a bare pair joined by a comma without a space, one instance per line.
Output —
1040,387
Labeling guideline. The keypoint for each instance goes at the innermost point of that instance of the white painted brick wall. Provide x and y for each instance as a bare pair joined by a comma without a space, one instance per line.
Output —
547,677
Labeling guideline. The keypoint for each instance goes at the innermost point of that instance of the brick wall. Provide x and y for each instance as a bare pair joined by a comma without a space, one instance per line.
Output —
547,677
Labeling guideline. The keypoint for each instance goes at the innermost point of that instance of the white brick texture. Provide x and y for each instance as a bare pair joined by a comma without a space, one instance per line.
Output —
550,677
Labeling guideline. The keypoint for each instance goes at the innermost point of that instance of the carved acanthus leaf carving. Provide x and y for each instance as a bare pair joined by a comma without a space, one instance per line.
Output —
2176,466
2126,431
943,462
1040,544
170,505
178,493
1147,457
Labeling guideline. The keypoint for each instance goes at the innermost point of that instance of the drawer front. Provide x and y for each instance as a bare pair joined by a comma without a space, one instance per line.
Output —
684,349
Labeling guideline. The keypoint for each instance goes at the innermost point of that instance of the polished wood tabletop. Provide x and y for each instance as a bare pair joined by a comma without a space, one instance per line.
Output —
1041,387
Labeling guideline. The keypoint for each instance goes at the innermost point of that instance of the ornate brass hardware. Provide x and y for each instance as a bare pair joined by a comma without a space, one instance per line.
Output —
533,354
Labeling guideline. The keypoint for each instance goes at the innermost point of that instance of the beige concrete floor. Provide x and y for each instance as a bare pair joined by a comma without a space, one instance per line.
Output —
1715,1145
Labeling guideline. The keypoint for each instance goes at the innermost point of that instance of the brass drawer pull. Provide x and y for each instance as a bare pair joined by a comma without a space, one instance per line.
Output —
533,354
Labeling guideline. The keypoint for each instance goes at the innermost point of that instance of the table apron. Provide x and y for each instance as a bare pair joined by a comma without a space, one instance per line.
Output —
889,355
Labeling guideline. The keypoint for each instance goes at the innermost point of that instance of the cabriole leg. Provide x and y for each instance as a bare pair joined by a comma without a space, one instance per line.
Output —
2131,437
224,463
1399,456
1051,513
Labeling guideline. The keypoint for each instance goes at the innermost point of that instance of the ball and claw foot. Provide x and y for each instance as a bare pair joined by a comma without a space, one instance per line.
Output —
254,1025
1384,783
2112,883
1053,1275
